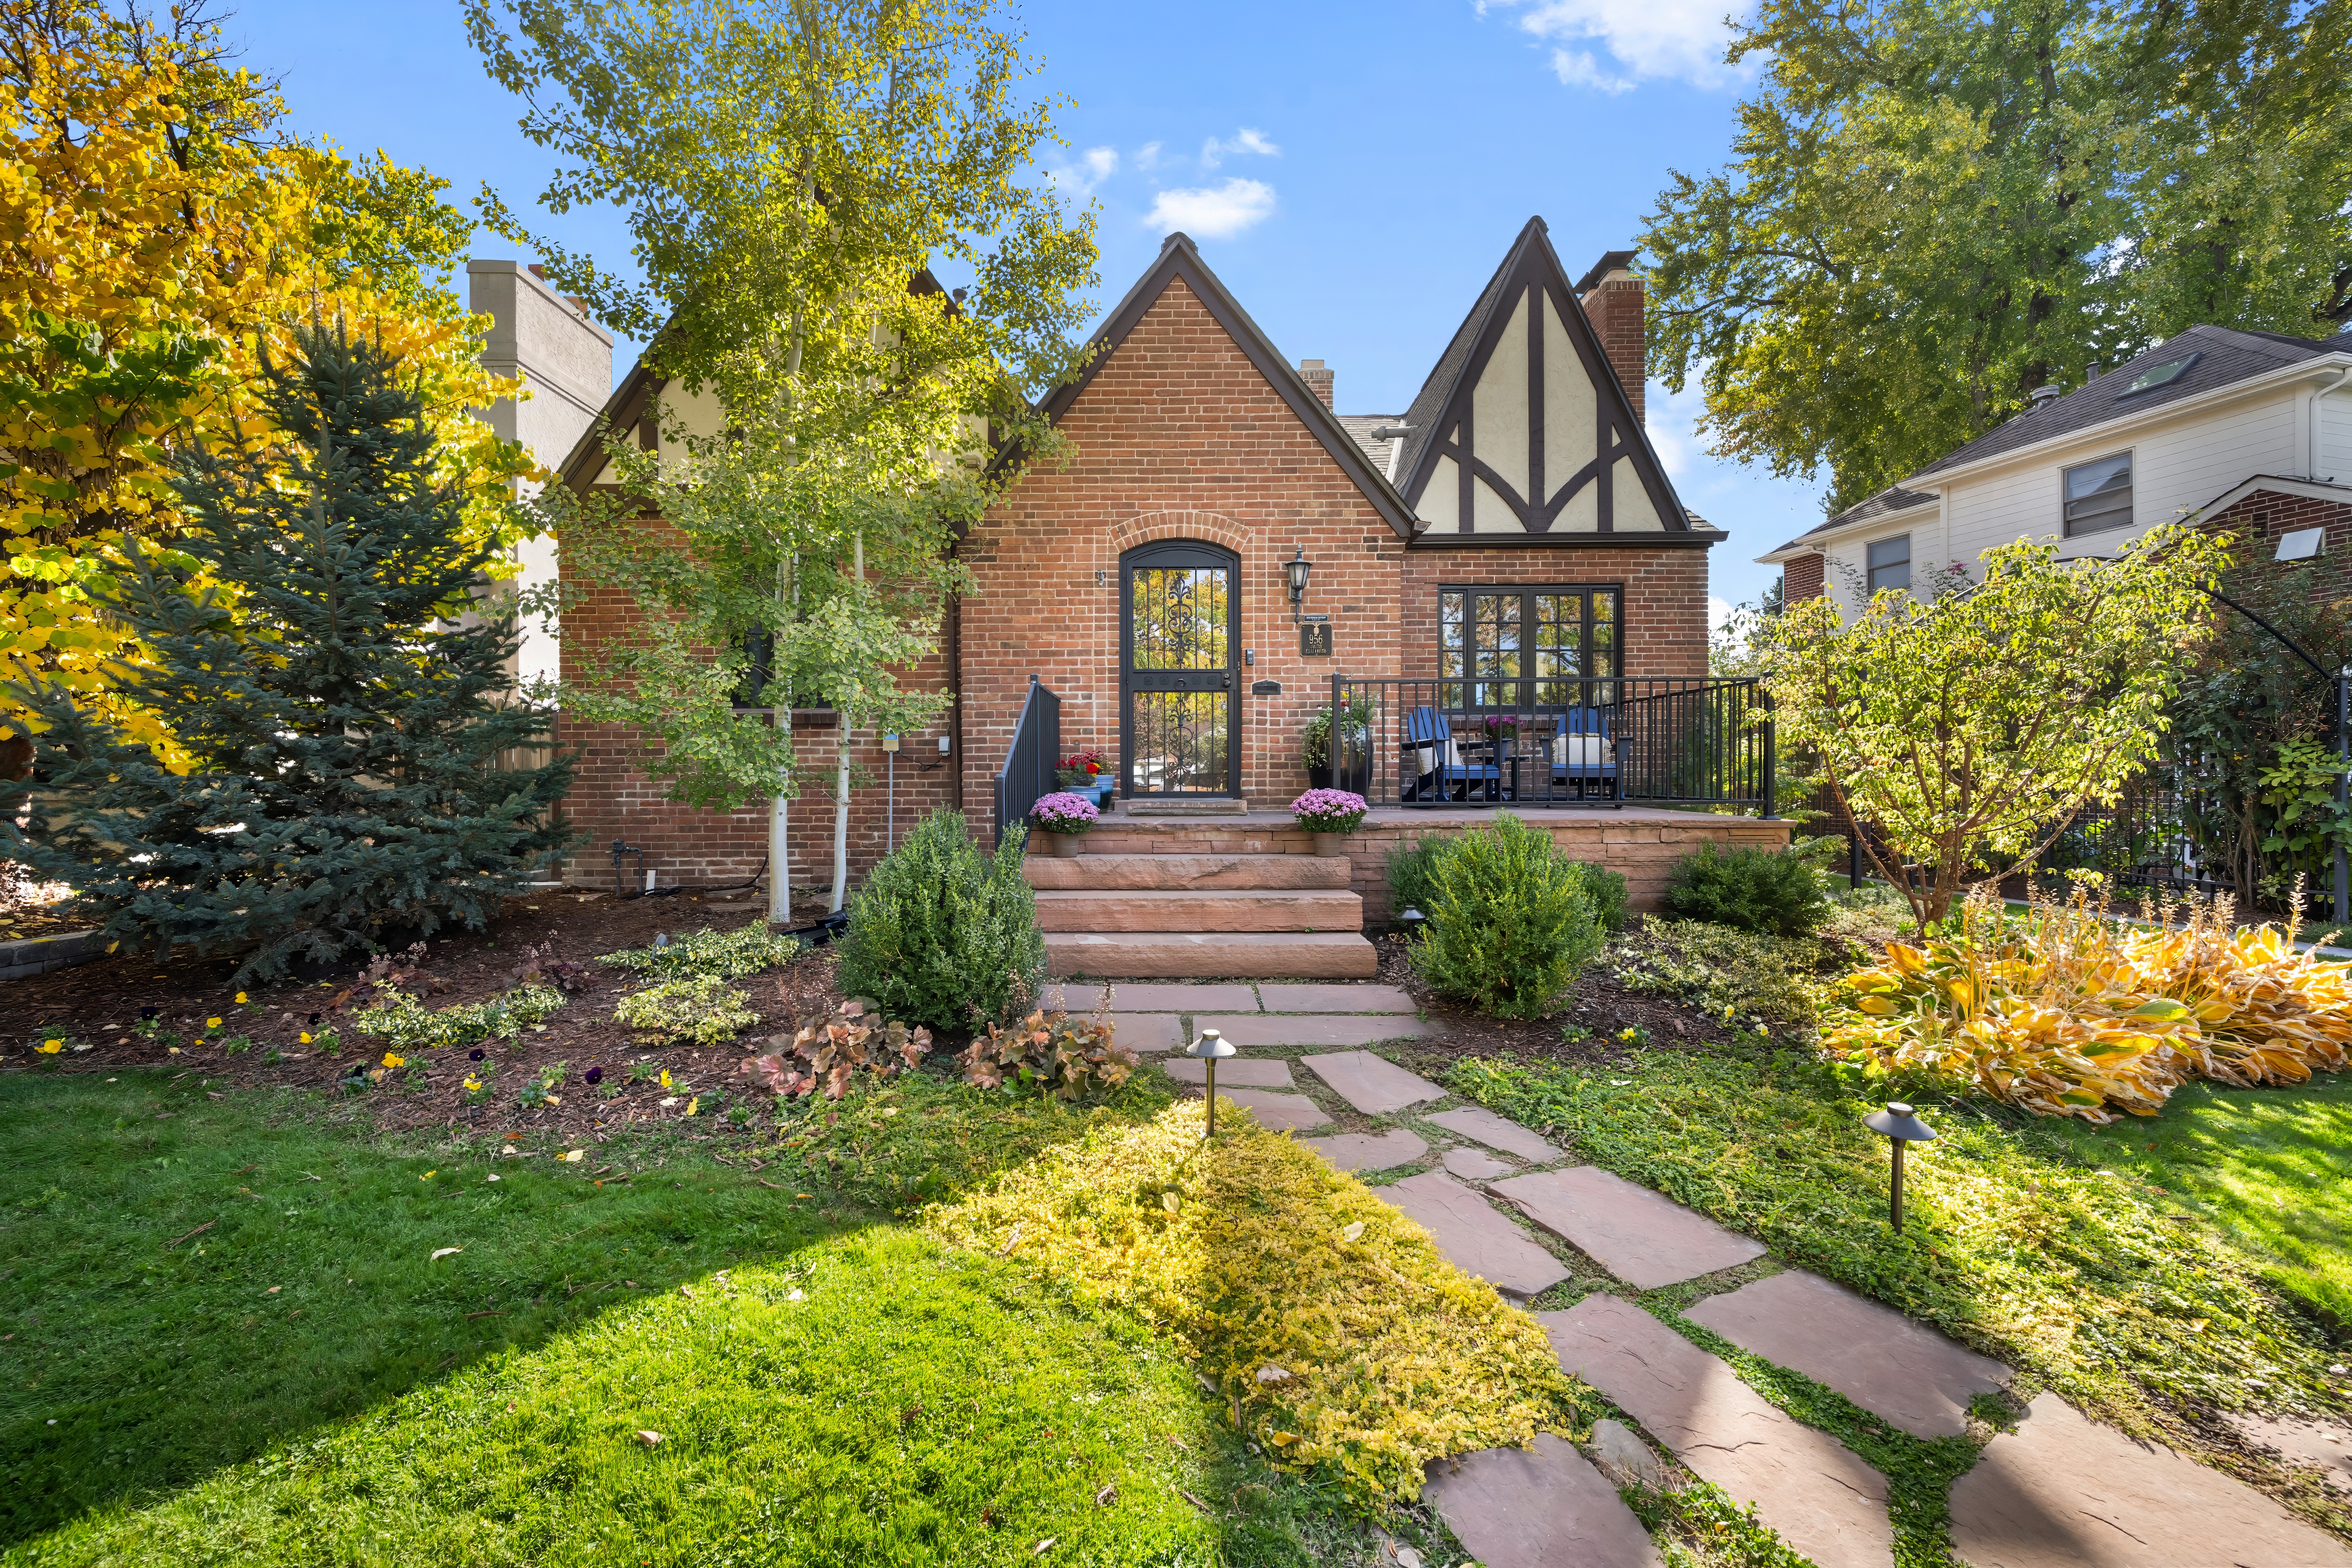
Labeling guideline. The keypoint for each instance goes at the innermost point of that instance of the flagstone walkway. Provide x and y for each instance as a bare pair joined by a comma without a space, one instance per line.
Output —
2061,1492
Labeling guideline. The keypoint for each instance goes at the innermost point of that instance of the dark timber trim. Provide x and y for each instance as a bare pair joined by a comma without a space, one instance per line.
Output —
1532,276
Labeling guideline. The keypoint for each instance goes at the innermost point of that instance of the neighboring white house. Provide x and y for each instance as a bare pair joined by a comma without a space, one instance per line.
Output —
2251,429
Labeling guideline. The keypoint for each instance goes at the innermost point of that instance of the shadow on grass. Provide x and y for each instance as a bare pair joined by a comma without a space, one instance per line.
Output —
186,1282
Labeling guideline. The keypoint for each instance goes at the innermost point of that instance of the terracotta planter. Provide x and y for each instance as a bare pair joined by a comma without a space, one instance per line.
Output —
1066,846
1332,846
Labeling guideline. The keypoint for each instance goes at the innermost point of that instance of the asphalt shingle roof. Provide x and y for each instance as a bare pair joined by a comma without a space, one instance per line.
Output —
1360,427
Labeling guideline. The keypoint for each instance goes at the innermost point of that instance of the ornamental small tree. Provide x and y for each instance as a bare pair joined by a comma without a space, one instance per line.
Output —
1970,729
341,698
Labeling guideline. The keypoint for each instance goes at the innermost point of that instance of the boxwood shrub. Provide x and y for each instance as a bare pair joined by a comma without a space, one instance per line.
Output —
944,934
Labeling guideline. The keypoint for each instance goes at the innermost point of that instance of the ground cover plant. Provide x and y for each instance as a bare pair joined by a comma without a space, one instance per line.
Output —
2088,1281
1342,1339
2068,1012
715,955
246,1321
701,1008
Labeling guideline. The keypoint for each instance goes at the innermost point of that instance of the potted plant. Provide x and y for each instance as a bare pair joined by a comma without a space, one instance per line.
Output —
1083,773
1331,814
1064,817
1356,758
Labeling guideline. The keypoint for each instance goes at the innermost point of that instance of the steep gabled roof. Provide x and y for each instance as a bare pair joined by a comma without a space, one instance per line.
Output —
1893,499
1443,403
1179,259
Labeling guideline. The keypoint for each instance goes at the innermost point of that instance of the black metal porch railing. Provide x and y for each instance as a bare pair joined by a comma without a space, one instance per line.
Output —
1028,771
1586,740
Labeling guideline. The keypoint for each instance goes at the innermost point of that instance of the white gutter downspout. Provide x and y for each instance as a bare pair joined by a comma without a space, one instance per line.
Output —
2318,393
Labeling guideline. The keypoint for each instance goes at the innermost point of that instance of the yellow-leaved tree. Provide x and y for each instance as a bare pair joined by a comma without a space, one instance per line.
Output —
161,234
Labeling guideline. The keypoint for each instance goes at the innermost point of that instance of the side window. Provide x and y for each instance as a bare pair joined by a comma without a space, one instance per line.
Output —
2099,495
1890,563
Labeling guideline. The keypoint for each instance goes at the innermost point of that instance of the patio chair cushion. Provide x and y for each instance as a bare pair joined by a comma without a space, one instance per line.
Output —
1580,752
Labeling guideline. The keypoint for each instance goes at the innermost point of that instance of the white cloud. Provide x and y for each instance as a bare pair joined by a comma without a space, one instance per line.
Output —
1246,140
1645,40
1217,213
1147,157
1093,166
1718,613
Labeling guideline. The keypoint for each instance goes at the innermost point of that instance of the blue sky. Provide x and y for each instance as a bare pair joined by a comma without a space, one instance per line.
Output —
1353,172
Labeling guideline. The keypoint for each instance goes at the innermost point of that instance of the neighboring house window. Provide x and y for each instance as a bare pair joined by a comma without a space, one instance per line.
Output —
2099,495
1890,563
1526,647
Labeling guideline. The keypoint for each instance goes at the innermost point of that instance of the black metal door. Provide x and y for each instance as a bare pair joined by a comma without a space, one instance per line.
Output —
1179,633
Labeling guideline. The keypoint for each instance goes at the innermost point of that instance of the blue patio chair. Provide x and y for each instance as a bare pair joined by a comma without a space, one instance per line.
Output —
1584,753
1434,765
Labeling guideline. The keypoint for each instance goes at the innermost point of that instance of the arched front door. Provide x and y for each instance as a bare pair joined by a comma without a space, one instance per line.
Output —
1180,657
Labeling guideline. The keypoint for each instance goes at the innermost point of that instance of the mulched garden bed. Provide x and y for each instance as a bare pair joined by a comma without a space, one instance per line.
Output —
97,1006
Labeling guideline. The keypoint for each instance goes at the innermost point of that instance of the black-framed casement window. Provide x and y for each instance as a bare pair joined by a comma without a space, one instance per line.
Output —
1890,563
1527,648
2099,495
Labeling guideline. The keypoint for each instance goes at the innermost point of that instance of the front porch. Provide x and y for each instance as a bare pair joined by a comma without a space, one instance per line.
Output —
1640,842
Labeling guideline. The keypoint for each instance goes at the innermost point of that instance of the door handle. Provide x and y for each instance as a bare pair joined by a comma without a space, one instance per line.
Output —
1226,680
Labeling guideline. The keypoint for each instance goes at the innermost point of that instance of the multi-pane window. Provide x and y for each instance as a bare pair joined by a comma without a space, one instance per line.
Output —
2099,495
1890,563
1526,648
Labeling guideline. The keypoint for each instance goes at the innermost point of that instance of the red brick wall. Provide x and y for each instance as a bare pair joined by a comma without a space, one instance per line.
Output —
1176,437
1802,578
1663,595
2258,519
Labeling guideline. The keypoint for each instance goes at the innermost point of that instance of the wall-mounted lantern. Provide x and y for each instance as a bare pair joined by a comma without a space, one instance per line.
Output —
1298,569
1210,1048
1900,1127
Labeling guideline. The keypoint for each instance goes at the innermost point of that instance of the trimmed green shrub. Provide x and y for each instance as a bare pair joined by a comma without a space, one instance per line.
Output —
1752,889
1511,920
1610,896
1413,874
944,935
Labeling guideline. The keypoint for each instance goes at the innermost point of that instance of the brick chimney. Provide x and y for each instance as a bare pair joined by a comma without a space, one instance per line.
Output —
1615,302
1318,378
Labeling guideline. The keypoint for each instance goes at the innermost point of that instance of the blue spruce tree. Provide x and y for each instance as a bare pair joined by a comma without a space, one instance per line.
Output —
322,653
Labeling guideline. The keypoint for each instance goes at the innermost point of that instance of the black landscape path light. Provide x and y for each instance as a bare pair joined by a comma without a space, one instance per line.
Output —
1211,1047
1900,1127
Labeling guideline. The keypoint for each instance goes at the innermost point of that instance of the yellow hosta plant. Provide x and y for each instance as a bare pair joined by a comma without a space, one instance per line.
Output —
1337,1332
2074,1013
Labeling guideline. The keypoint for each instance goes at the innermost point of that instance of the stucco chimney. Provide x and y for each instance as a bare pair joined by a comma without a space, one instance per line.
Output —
1616,301
1314,373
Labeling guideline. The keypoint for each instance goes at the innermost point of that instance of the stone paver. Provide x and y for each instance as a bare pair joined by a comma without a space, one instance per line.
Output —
1275,1112
1902,1371
1623,1458
1336,999
1496,1132
1148,1031
1476,1164
1139,998
2327,1444
1825,1502
1548,1507
1368,1151
1374,1085
1312,1028
2062,1491
1640,1236
1469,1232
1233,1073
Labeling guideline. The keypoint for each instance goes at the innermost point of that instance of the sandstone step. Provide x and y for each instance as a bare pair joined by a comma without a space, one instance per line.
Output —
1211,955
1183,873
1230,909
1184,805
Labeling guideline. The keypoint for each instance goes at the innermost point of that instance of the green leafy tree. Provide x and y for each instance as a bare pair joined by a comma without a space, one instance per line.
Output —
344,710
1933,208
791,172
1970,729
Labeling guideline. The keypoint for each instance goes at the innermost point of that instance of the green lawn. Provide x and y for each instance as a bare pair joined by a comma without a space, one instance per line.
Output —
300,1382
2270,1167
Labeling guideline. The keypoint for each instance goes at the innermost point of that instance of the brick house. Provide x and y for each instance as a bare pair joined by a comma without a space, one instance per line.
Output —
2247,431
1516,510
